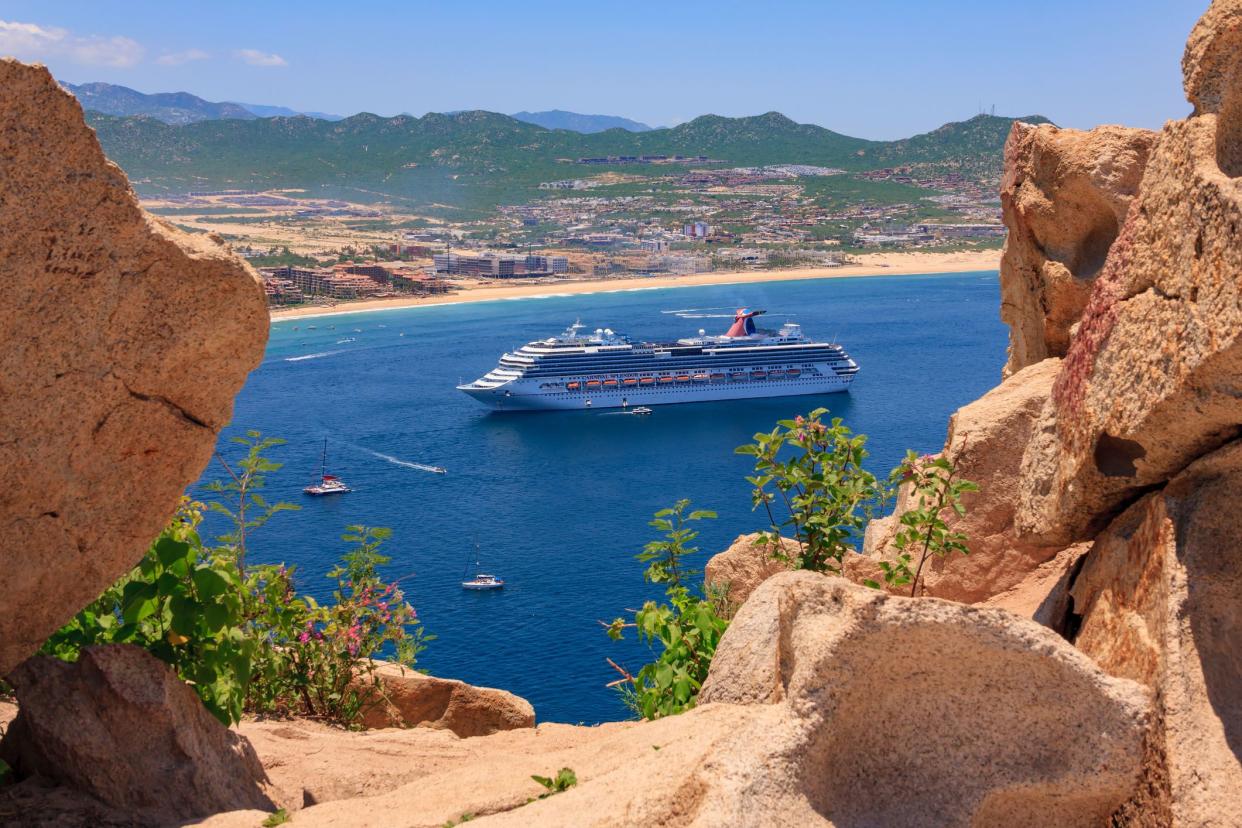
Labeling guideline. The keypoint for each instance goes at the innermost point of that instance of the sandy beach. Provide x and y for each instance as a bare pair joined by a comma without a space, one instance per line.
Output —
875,264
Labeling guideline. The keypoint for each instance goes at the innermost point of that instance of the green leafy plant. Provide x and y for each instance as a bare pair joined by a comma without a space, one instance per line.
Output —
182,604
242,636
322,662
820,493
564,780
934,482
278,817
251,509
686,629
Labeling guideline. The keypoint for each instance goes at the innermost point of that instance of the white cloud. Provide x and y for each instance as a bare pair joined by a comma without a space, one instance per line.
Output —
31,41
256,58
178,58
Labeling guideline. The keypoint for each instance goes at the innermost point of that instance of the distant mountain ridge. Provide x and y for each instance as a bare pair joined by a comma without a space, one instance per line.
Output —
169,107
176,108
577,122
478,159
264,111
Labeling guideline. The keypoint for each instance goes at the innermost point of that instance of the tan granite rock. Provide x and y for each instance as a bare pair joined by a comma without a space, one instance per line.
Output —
412,699
1153,376
120,726
818,692
869,675
1160,600
985,443
122,344
1064,196
748,562
1044,595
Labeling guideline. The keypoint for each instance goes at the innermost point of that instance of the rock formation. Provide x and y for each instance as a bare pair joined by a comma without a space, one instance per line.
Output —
413,699
121,726
122,344
985,443
869,675
1153,375
1065,195
748,562
1159,600
815,698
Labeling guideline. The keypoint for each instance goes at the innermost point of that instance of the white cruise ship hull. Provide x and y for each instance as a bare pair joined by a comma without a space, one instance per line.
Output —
526,395
606,370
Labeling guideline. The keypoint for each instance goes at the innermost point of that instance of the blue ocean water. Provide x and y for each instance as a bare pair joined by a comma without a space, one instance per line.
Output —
559,501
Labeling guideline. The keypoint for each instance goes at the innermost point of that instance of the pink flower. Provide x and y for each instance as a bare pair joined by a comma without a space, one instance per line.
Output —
304,637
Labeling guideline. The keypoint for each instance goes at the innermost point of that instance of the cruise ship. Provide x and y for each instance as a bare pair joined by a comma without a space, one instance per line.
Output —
604,369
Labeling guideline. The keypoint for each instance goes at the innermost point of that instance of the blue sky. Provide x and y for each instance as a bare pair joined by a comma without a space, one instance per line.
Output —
875,69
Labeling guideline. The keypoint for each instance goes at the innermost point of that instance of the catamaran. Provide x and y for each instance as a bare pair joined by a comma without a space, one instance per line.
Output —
328,484
604,369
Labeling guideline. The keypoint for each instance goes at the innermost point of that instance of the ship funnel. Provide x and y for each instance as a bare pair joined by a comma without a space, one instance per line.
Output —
743,322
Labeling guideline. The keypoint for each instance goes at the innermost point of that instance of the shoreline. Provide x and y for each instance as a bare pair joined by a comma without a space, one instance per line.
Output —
893,264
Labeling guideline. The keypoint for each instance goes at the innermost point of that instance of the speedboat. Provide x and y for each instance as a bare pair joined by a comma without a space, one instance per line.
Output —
642,409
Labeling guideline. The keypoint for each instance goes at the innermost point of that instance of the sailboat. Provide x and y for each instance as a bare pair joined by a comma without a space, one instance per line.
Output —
329,484
481,580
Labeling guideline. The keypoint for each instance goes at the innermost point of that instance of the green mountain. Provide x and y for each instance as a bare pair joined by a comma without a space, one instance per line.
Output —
478,159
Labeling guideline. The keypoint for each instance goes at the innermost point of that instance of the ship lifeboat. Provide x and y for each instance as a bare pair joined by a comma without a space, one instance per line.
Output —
683,377
573,386
611,383
700,377
665,379
718,377
646,381
629,381
753,375
593,383
740,375
778,374
794,372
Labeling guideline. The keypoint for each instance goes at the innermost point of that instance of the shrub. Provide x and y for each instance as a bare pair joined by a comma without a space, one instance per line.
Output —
924,532
185,606
243,637
320,662
687,629
822,493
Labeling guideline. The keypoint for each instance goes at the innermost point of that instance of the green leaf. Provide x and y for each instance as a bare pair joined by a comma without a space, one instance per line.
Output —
208,583
169,551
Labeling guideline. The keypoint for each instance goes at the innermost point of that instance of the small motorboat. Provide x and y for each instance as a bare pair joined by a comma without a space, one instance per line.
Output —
329,484
641,410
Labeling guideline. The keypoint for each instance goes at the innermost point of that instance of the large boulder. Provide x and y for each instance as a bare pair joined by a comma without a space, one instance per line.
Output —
868,676
1159,600
1154,372
122,344
985,443
407,698
1064,196
120,726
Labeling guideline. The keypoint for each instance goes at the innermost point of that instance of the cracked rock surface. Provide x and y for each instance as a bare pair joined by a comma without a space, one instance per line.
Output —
122,344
